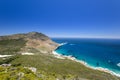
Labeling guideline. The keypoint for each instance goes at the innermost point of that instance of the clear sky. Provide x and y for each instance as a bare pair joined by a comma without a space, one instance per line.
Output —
61,18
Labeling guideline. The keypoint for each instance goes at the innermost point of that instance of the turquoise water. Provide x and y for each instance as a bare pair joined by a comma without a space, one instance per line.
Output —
103,53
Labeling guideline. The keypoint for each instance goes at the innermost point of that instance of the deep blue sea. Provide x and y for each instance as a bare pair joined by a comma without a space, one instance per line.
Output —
103,53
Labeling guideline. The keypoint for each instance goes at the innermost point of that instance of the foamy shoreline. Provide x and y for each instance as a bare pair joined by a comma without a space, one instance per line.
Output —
60,56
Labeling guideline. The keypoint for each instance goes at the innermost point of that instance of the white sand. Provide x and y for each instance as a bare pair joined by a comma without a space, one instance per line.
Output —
58,55
27,53
1,56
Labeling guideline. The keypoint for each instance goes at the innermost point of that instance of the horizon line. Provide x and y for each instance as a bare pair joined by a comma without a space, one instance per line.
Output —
88,37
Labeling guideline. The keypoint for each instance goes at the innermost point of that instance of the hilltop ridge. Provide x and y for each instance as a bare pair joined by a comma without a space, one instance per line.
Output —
32,41
25,35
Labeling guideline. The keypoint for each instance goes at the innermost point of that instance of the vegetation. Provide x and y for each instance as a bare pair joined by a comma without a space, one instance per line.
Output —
22,73
8,59
48,67
16,73
12,46
62,67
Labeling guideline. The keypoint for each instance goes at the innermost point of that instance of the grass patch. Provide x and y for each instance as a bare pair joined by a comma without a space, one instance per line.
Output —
12,46
7,60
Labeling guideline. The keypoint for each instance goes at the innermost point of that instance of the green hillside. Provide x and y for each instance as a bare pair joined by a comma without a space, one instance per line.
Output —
47,66
12,46
64,67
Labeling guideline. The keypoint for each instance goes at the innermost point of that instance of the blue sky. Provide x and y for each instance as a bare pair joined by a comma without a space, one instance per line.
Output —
61,18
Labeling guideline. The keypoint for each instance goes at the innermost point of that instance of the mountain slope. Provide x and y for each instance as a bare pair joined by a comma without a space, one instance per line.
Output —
30,42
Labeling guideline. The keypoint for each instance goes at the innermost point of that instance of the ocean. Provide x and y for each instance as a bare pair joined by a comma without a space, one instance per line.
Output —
104,53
